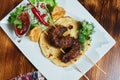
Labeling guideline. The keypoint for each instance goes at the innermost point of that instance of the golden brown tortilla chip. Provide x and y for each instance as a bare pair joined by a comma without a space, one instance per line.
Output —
58,12
35,33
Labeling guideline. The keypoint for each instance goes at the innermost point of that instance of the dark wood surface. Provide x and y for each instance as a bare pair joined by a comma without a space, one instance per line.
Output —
107,12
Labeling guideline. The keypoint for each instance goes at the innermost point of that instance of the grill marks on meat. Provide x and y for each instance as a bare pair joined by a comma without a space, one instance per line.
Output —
65,42
58,40
69,44
73,53
56,37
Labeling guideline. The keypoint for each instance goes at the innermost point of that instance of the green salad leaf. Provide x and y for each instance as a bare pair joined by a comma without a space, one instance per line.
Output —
18,23
50,4
34,1
85,33
13,17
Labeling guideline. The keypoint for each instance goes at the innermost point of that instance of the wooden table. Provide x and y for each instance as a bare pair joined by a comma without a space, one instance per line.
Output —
107,12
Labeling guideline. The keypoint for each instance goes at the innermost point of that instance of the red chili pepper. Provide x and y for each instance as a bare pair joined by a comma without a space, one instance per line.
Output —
39,17
43,15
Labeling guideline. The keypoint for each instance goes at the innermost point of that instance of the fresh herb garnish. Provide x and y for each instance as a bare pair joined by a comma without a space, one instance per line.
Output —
85,32
18,23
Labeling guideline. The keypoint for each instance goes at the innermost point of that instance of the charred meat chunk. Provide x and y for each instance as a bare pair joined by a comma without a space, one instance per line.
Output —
65,42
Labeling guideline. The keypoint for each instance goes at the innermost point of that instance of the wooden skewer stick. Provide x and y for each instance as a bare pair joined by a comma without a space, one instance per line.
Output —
91,61
62,50
95,64
84,54
76,66
80,70
45,32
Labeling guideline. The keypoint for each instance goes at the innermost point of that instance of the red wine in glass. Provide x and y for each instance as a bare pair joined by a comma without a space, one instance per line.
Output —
20,32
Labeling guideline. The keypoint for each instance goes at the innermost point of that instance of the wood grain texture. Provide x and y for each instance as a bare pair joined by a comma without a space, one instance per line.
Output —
107,13
12,61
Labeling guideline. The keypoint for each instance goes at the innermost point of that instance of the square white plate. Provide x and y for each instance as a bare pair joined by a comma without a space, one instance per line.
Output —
101,43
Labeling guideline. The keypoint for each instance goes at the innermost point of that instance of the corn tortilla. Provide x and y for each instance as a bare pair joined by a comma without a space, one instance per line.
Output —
53,53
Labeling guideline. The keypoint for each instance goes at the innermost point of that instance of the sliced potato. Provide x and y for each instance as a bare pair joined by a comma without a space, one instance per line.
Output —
58,12
35,33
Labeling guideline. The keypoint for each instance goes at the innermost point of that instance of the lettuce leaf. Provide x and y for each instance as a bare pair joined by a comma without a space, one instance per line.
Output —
33,1
50,4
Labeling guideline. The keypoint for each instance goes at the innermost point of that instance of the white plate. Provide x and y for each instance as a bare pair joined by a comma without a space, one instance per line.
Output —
101,43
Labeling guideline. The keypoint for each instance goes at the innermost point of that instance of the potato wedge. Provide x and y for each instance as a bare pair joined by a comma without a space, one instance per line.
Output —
35,33
58,12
